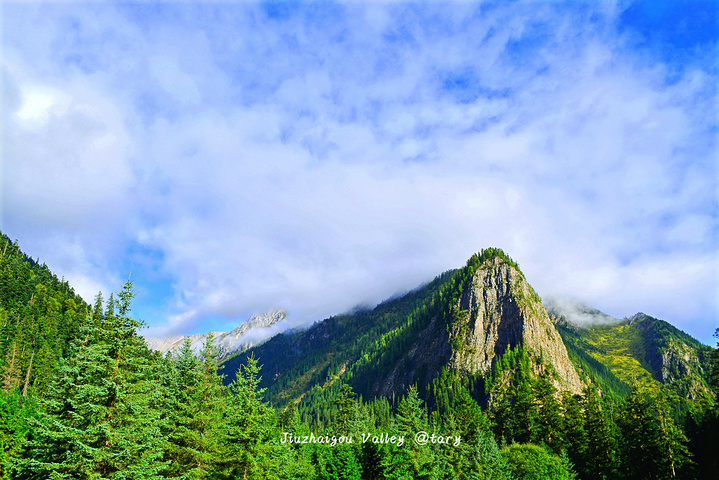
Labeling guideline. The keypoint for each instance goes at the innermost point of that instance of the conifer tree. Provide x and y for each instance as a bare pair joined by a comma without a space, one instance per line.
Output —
16,413
501,408
524,413
198,401
636,426
601,451
11,373
477,455
574,435
250,427
706,441
180,381
100,418
411,460
346,403
549,422
653,445
669,438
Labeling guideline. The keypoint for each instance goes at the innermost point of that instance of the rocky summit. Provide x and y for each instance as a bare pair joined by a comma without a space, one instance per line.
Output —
499,310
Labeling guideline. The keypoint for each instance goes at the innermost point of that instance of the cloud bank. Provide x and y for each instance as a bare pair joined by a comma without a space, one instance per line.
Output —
241,157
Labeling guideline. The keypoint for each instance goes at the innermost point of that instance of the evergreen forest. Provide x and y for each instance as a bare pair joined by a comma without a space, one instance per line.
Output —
82,397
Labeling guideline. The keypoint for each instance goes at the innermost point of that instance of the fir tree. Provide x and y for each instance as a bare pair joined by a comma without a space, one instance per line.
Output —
411,460
100,418
249,428
653,445
669,439
549,423
574,434
601,451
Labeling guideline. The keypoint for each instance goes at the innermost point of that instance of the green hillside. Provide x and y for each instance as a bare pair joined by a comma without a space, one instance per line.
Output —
39,316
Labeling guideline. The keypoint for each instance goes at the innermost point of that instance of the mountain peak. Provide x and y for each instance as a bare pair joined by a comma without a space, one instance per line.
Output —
493,254
577,313
482,311
498,311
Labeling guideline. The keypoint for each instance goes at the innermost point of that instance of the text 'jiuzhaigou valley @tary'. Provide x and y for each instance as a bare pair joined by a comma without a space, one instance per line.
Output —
420,438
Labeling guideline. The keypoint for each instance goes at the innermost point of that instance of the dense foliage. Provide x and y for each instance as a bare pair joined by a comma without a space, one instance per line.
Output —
102,405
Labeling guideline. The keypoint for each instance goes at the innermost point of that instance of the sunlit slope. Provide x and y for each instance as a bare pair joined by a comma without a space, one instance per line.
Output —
642,350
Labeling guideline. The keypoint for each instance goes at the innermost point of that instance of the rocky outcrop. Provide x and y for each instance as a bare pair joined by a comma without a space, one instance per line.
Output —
674,357
249,333
499,310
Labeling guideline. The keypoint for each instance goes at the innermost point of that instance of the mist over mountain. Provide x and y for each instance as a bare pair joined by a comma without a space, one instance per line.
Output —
577,312
255,330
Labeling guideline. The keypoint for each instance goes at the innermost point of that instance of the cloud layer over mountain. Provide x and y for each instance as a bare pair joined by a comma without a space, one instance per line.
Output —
240,157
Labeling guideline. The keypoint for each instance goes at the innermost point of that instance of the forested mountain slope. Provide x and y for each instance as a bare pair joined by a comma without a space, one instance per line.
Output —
294,362
39,316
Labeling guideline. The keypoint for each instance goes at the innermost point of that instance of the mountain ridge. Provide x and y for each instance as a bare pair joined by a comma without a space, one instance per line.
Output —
463,321
253,331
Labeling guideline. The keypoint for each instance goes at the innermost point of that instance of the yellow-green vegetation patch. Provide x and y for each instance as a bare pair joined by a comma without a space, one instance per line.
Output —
620,347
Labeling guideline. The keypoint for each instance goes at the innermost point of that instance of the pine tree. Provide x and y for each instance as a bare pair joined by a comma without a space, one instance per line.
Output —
477,455
670,440
250,426
524,415
574,434
501,409
549,423
346,403
653,446
636,442
705,441
16,413
411,460
198,402
100,417
601,452
11,373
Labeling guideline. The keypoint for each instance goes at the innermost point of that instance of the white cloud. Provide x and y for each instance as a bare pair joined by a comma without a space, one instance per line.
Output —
312,164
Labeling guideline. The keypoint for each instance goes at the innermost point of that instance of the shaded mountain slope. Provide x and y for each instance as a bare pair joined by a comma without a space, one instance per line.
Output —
294,362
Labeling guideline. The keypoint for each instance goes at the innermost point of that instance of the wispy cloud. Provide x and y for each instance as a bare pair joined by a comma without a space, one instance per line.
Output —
244,157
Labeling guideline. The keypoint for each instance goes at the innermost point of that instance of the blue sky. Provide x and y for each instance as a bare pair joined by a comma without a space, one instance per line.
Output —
236,157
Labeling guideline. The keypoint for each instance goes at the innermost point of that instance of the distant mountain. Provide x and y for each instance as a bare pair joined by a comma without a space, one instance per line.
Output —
254,331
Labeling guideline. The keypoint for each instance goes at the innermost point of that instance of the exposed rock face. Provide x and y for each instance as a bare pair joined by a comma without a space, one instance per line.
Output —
673,360
253,331
499,310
